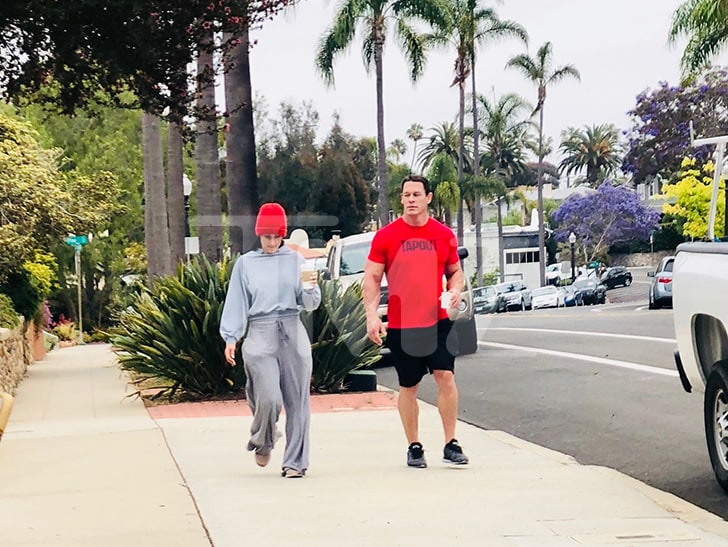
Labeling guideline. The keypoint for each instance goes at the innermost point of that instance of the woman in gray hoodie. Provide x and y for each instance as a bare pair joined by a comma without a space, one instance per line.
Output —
262,306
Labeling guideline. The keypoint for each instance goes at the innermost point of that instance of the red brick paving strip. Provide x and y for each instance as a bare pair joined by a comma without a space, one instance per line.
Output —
336,402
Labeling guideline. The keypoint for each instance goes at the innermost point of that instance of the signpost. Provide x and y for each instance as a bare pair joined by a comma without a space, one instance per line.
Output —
77,242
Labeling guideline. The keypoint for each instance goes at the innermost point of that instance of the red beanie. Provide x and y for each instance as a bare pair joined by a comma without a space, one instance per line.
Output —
271,220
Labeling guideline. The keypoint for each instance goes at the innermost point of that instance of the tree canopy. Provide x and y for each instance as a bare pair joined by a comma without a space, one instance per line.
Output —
609,215
659,137
688,200
39,204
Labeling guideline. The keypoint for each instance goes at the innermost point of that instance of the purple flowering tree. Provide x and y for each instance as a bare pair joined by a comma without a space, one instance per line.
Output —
659,137
611,214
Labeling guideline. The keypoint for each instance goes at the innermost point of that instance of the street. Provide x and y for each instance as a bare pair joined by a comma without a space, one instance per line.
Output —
595,382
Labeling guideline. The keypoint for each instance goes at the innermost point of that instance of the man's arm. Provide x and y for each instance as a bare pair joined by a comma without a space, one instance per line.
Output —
371,291
455,282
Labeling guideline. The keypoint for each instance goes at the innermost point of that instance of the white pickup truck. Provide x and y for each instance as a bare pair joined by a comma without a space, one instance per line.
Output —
700,312
700,306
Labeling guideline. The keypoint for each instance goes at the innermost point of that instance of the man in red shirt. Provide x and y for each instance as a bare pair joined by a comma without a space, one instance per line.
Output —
415,252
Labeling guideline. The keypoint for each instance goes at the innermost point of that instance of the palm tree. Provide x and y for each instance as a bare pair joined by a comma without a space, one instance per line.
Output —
396,148
376,18
175,193
442,174
414,133
705,24
444,138
465,28
595,148
505,131
539,70
485,29
209,205
241,176
156,234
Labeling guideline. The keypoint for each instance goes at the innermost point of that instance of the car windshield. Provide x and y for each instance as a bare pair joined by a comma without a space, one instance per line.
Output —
504,287
583,283
353,258
483,291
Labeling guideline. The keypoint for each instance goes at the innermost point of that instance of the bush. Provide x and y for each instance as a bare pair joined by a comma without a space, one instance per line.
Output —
169,336
65,329
9,318
338,331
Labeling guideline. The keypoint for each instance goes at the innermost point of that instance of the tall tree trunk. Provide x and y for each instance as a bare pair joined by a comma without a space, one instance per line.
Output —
476,172
175,195
209,206
461,159
382,172
241,173
156,234
539,184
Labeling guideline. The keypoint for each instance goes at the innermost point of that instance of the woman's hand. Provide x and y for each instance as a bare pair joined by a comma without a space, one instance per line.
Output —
230,354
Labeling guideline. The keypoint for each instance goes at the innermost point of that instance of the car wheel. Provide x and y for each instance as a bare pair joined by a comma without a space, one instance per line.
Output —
627,282
467,336
715,415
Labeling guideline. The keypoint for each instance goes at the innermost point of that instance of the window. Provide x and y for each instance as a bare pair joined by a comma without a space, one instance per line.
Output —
522,257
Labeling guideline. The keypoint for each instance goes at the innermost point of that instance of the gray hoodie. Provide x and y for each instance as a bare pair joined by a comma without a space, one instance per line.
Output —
265,286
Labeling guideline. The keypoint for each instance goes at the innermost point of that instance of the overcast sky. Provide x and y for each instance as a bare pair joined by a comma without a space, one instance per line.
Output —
620,48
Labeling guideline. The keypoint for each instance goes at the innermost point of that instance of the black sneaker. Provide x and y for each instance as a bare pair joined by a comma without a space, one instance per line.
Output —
453,453
416,455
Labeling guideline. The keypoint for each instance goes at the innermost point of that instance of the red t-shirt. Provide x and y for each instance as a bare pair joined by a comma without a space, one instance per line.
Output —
414,259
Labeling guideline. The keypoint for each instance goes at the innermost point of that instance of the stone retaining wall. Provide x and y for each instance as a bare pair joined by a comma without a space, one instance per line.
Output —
15,356
636,260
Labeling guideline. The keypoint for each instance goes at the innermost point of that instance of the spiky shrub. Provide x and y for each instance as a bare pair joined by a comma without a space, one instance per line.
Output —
338,333
169,336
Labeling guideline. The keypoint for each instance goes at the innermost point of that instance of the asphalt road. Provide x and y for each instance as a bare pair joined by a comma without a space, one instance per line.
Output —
595,382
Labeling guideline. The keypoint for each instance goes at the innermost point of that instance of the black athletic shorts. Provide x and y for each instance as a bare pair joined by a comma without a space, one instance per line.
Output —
419,351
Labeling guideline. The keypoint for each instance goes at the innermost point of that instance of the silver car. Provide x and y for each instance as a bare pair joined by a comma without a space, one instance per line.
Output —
516,295
661,287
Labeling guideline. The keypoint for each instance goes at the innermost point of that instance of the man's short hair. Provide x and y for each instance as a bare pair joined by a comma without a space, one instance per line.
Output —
417,178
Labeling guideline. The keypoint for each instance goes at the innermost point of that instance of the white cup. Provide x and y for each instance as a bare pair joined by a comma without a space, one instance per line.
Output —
306,273
445,300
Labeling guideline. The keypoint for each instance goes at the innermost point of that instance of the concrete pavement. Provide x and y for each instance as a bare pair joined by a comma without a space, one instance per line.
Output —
82,465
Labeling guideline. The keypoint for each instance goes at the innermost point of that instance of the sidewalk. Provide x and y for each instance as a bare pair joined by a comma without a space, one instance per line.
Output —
81,465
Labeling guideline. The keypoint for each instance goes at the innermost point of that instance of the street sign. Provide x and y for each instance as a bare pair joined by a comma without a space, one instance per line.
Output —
76,240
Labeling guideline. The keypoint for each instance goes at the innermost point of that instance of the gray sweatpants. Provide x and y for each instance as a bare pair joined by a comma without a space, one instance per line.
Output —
278,364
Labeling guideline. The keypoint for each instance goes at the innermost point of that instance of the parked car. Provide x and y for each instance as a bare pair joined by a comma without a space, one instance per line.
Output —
556,273
487,300
516,295
346,260
572,297
661,287
592,291
547,297
616,276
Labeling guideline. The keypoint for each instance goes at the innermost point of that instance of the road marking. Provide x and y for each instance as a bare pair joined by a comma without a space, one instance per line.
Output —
589,358
587,333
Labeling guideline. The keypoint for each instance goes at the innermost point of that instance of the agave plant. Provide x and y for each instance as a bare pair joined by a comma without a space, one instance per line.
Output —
169,336
338,333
